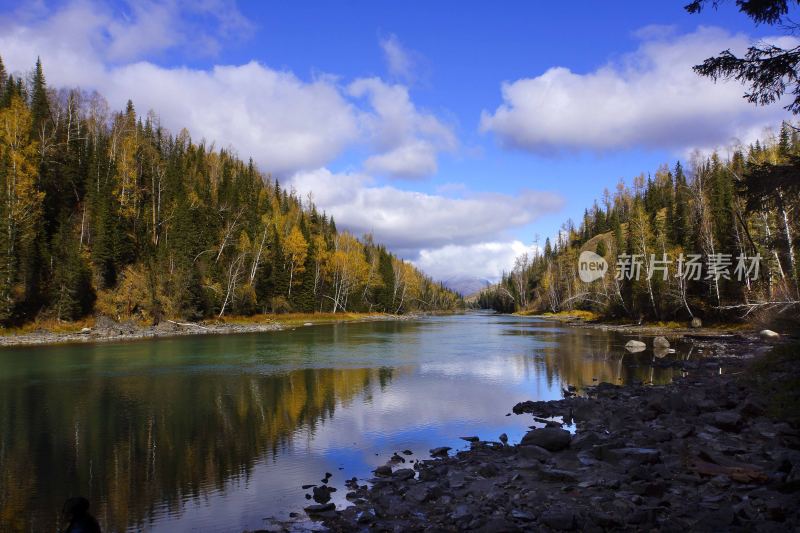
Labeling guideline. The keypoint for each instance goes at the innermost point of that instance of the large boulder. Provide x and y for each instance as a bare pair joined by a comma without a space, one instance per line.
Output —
768,334
634,346
549,438
661,342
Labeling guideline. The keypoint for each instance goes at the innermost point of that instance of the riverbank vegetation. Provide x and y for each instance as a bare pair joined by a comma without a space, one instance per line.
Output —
736,215
109,213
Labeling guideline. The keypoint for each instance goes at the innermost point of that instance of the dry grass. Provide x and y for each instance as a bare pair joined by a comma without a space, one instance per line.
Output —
52,325
294,319
287,319
577,314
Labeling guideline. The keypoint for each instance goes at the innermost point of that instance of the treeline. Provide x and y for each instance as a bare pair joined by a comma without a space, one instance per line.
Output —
717,240
110,213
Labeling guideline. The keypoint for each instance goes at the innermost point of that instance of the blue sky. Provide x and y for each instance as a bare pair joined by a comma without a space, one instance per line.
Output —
455,131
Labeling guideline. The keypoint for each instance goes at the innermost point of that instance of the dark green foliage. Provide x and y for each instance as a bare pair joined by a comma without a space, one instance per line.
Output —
768,70
128,220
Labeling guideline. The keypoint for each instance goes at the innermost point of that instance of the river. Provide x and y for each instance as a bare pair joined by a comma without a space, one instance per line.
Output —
218,433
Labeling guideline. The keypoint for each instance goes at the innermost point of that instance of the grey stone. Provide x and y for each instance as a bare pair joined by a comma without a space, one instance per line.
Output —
404,473
441,451
318,508
384,470
634,346
551,439
768,334
661,342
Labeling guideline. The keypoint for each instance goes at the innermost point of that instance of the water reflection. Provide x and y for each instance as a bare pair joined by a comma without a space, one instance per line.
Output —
218,432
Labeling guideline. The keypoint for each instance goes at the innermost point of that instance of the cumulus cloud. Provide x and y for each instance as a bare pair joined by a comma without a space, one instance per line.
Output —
131,30
649,98
409,222
408,139
481,260
284,122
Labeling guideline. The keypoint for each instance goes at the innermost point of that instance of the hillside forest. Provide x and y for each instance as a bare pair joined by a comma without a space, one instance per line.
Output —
109,213
733,217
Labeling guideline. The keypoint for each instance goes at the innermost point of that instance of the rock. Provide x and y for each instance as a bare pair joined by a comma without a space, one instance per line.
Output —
470,439
551,439
322,494
768,334
725,420
696,323
561,520
383,471
661,342
404,473
662,352
407,452
531,451
488,470
634,346
637,455
441,451
86,331
319,508
461,512
503,438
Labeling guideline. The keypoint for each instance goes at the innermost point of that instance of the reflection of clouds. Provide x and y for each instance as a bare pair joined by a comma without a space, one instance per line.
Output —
416,402
510,370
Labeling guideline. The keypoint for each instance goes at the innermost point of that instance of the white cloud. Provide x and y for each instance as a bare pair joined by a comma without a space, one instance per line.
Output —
398,59
445,236
408,140
415,159
129,31
649,98
484,260
284,122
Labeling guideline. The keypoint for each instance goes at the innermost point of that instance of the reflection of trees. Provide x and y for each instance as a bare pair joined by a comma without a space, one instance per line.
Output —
132,442
579,355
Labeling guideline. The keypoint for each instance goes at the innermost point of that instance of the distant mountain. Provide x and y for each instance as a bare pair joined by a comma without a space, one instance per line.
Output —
466,285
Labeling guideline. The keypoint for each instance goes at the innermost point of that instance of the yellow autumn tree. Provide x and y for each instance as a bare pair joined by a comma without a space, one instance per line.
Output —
296,250
22,201
347,269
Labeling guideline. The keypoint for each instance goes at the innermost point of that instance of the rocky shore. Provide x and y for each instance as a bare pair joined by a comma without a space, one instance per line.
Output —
704,453
108,330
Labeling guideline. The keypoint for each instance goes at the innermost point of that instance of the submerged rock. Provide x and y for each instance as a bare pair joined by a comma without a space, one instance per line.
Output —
319,508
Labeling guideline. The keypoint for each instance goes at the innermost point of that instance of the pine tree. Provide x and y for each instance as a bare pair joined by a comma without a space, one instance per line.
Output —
40,107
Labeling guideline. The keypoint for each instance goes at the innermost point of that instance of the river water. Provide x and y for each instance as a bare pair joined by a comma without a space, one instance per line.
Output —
219,433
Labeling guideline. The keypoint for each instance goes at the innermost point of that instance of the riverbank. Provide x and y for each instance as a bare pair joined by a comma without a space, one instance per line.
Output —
717,449
104,329
670,330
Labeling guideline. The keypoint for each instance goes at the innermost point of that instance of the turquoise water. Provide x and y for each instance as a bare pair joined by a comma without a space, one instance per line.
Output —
218,433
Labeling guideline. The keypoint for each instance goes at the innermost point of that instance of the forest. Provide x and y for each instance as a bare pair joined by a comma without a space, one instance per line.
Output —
734,218
109,213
